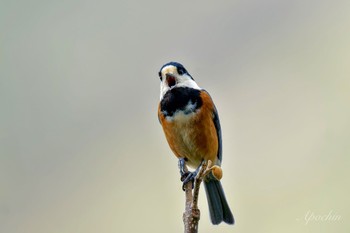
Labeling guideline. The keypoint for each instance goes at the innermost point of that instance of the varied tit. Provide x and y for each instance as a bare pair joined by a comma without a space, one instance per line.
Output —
191,126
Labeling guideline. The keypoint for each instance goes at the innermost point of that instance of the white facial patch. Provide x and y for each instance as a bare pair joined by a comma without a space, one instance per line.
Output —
181,80
169,69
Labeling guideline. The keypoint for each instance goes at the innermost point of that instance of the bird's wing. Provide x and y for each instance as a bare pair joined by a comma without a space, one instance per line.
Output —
218,130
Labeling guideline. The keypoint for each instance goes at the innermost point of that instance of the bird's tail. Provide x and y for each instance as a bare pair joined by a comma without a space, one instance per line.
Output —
218,207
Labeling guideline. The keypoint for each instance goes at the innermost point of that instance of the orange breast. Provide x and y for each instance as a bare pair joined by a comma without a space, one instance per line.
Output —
192,136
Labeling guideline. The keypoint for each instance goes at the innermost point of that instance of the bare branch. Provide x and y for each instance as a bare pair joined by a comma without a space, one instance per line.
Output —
191,215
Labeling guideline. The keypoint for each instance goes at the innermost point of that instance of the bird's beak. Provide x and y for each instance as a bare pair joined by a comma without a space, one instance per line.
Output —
170,80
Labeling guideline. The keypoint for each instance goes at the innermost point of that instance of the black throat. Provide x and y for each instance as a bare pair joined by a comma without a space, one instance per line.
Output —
178,98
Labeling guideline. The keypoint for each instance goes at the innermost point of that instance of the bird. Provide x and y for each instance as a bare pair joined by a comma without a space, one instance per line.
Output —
192,129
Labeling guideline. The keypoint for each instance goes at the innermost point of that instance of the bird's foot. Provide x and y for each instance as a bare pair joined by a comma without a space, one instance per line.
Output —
188,177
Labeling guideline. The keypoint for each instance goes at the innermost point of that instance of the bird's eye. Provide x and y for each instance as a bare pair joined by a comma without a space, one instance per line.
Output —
180,70
160,76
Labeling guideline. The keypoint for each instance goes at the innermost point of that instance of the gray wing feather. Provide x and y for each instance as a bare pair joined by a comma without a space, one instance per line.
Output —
218,132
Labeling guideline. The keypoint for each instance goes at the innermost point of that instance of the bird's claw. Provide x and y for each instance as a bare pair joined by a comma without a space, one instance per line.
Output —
184,176
188,177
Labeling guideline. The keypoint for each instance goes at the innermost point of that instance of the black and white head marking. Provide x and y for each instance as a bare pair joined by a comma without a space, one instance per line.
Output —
173,75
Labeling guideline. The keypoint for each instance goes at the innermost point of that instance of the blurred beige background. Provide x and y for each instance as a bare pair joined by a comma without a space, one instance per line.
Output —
81,149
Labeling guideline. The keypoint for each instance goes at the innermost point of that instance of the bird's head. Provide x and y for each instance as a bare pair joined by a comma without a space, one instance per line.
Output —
173,75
